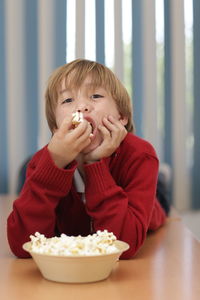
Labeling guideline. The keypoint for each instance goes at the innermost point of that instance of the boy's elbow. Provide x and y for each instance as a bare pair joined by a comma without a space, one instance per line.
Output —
130,253
16,247
19,252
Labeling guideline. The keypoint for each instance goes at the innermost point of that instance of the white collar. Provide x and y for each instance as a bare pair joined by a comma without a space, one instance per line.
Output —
79,183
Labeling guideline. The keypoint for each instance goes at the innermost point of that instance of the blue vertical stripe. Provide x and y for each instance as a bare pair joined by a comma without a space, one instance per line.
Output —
167,87
60,32
100,32
137,65
31,75
3,127
196,165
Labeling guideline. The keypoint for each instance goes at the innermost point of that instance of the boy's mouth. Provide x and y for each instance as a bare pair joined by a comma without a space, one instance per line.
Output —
92,128
92,124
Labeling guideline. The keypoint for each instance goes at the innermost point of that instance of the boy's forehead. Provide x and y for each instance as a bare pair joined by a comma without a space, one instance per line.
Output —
68,85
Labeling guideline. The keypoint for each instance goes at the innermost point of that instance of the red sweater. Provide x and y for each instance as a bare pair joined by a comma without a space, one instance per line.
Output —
119,190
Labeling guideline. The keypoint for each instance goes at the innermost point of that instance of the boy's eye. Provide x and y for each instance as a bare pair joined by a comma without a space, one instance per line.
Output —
68,100
95,96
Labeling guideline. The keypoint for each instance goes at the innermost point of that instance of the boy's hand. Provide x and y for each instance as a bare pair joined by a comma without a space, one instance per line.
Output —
113,133
66,144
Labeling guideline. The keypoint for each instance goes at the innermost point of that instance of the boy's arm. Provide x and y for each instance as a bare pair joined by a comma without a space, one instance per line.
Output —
130,211
34,210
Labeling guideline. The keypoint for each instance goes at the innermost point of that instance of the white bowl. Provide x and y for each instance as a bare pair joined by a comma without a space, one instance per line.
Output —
77,268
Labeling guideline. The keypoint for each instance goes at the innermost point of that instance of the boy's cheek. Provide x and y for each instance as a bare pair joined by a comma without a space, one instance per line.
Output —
59,119
62,118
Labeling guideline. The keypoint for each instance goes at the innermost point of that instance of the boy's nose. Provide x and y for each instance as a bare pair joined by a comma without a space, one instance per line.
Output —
84,107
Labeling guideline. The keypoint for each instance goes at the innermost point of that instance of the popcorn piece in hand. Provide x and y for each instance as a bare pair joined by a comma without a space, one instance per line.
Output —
77,118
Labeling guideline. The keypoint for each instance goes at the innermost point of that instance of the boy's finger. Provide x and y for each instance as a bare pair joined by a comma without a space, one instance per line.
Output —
117,122
66,124
81,136
105,132
112,127
80,129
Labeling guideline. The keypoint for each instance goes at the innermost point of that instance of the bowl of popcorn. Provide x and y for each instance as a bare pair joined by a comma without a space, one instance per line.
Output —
76,259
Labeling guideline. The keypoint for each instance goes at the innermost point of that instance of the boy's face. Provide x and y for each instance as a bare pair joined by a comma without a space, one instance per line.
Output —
94,104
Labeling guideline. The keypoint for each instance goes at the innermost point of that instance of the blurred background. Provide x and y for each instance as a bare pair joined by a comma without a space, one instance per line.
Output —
153,47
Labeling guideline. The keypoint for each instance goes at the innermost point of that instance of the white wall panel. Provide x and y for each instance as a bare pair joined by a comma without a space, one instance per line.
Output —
80,29
46,63
118,40
180,172
15,70
150,74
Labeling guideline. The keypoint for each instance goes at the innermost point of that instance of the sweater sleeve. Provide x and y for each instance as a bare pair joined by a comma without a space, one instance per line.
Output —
129,209
34,209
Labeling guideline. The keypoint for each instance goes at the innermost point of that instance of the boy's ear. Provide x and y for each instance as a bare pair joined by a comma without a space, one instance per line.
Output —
123,120
54,130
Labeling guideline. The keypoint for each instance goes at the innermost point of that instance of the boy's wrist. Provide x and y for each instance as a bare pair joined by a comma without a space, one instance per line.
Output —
57,160
89,162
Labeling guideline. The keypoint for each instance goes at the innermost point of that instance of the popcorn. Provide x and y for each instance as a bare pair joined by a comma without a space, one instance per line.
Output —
101,242
77,118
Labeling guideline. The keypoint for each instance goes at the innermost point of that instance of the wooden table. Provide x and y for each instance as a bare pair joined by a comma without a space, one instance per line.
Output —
166,267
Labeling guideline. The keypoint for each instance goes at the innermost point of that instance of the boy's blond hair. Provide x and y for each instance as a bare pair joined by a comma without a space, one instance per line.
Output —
74,74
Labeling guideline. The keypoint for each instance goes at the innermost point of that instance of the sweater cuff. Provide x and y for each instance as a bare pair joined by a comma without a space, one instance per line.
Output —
49,175
98,176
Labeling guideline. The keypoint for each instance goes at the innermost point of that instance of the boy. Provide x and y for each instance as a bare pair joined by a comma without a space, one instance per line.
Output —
95,176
